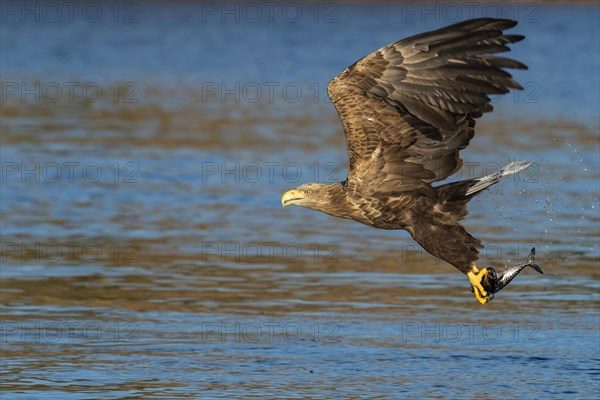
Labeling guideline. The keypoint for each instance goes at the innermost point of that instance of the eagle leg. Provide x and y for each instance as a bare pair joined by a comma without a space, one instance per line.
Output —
476,277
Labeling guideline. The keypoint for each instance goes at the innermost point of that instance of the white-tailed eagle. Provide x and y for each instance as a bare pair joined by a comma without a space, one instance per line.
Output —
407,110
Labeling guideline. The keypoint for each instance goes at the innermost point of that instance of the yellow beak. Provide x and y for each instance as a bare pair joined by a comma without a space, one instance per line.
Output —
291,197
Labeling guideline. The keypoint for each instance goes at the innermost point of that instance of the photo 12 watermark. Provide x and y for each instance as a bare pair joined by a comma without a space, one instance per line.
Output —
456,11
54,12
68,332
69,252
268,172
263,92
253,252
491,252
471,332
253,12
69,171
268,332
68,92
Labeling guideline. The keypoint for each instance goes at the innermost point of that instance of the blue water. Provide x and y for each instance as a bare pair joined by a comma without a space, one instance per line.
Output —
145,253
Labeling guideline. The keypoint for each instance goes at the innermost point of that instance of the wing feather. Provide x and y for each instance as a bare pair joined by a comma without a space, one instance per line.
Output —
409,108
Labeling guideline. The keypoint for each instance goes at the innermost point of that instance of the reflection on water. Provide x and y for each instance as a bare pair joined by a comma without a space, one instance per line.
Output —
145,252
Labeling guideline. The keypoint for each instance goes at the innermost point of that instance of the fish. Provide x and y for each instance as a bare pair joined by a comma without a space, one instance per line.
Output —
497,280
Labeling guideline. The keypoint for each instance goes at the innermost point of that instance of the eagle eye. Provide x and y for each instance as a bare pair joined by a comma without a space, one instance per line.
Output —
307,191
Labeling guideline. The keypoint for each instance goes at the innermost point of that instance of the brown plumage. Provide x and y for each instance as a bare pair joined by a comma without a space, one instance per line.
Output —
407,110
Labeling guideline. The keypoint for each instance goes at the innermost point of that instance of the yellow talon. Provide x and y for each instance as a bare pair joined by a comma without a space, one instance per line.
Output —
475,277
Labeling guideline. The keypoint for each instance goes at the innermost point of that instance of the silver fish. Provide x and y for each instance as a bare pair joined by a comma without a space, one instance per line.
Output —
492,282
506,275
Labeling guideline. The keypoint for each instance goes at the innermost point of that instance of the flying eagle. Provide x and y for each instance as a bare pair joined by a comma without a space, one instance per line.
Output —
407,110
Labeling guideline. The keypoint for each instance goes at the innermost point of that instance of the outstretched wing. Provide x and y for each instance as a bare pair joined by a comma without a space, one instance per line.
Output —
409,108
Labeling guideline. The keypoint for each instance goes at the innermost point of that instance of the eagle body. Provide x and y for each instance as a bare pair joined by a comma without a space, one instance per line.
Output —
426,215
407,110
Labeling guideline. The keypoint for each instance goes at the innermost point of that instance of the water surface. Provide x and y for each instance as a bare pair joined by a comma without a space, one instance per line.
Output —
145,252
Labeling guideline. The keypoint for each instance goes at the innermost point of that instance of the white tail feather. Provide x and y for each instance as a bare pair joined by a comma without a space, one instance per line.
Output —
514,167
488,180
